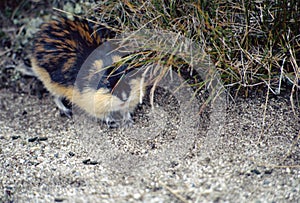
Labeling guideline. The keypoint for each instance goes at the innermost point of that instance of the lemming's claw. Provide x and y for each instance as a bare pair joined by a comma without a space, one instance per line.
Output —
111,123
63,109
127,120
67,112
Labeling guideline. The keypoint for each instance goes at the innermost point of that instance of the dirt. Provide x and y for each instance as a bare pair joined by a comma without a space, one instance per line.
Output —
235,150
47,157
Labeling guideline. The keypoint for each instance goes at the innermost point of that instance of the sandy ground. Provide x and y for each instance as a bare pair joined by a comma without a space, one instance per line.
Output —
249,155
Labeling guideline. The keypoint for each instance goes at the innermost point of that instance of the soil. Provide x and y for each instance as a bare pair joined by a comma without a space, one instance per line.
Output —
47,157
235,150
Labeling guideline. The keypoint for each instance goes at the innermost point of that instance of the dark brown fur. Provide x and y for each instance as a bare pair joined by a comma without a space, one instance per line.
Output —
63,45
67,58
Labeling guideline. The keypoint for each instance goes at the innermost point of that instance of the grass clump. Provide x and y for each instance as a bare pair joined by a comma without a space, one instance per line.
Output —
254,44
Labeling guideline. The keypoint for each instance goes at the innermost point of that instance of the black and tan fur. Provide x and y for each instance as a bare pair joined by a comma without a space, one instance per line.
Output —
74,60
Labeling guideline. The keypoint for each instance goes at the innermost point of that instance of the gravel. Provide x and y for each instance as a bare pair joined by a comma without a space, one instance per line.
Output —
49,158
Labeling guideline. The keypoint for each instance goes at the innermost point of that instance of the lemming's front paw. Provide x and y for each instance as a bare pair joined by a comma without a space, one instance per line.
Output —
111,122
117,120
66,112
127,120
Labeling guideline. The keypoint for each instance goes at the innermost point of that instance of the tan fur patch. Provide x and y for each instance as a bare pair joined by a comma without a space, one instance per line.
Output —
97,103
116,58
55,88
69,63
96,68
97,65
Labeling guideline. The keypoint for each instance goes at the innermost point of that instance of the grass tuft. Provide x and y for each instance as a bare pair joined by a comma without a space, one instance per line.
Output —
254,44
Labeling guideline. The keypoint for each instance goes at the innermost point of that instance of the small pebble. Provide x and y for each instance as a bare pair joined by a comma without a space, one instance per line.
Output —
33,139
137,196
255,171
174,164
42,138
268,172
59,199
15,137
89,162
207,160
94,162
71,154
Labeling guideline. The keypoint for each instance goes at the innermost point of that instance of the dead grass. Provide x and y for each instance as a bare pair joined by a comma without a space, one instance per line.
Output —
253,44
